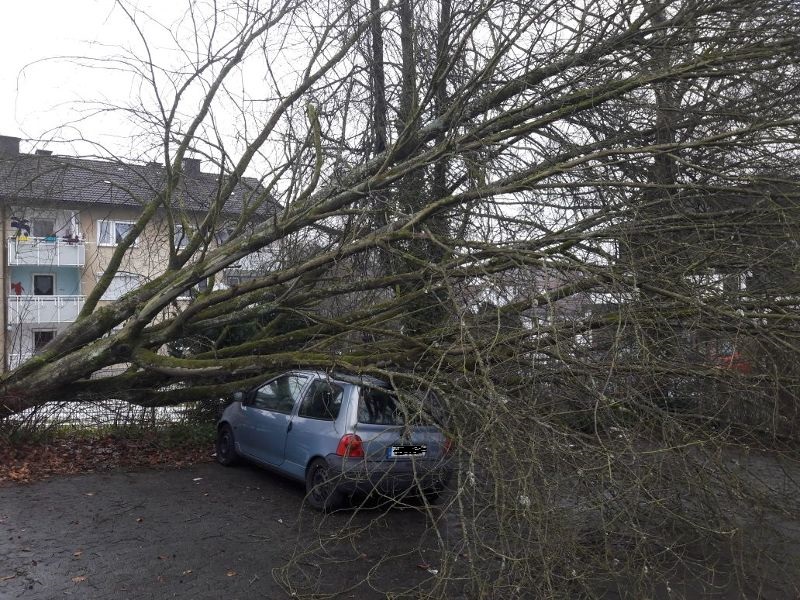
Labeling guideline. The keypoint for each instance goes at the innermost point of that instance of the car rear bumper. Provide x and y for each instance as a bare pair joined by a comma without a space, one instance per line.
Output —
391,478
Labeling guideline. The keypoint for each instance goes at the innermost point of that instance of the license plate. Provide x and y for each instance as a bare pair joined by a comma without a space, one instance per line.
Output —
398,451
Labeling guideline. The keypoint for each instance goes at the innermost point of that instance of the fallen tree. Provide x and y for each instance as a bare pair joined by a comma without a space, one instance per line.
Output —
569,219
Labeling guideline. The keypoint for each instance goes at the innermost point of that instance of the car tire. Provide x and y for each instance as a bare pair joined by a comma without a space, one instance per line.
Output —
226,446
321,492
422,497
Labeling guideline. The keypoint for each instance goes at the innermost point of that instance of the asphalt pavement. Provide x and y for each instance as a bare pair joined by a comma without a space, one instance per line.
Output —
201,532
208,532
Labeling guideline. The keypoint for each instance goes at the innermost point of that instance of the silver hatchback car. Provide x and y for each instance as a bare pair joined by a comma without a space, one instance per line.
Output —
340,435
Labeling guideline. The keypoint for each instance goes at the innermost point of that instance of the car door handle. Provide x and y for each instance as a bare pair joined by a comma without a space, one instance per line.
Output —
289,428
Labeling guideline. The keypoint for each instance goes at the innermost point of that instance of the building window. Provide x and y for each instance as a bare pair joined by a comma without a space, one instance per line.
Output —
43,228
44,285
223,235
121,284
111,233
42,338
194,291
182,236
233,280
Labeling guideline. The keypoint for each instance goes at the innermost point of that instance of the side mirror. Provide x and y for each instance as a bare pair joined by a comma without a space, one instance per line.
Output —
239,397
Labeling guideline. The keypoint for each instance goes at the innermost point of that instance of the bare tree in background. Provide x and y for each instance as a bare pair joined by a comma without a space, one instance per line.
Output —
575,221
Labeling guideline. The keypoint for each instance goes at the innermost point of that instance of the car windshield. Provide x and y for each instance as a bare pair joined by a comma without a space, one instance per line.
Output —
382,407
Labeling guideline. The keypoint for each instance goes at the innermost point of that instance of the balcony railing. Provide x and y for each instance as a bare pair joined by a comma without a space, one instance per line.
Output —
46,251
44,309
17,358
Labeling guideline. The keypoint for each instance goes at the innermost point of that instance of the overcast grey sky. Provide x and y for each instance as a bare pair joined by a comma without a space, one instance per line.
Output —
40,92
33,31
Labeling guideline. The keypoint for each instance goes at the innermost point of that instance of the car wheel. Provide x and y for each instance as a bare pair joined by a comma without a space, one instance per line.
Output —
226,446
420,498
321,492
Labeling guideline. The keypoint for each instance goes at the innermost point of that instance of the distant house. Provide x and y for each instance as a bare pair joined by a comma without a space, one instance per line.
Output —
63,217
734,248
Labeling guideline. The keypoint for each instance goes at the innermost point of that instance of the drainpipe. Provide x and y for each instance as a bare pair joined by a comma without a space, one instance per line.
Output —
4,283
9,149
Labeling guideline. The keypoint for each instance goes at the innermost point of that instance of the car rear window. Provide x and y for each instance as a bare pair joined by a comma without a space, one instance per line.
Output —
376,407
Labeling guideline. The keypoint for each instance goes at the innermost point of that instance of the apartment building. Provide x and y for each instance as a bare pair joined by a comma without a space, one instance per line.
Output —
62,219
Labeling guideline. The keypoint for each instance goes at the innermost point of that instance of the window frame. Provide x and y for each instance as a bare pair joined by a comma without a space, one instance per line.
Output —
126,274
40,220
186,235
33,284
194,291
112,228
36,332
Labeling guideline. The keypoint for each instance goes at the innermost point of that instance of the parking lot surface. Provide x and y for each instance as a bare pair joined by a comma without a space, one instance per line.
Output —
200,532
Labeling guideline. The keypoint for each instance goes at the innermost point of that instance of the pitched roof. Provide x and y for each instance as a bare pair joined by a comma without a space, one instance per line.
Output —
81,181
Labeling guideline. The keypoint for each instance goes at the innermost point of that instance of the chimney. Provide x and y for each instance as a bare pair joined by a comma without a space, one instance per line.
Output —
9,144
191,166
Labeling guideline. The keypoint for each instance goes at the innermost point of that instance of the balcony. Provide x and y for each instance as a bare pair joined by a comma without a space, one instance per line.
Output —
17,358
50,251
44,309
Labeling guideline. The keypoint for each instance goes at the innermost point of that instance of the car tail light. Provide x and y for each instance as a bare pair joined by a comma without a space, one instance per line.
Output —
350,446
447,447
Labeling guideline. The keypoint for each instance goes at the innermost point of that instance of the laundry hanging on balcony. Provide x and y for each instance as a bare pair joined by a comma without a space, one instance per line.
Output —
17,288
23,226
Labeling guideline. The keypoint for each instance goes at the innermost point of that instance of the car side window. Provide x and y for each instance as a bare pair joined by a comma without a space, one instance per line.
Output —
323,401
279,395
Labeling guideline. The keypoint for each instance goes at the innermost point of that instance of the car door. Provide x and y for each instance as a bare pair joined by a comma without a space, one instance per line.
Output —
263,428
314,430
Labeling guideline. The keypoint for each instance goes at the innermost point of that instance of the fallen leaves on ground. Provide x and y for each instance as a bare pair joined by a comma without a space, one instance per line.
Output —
26,462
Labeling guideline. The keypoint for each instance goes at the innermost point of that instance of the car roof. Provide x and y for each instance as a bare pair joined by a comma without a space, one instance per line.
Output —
367,380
